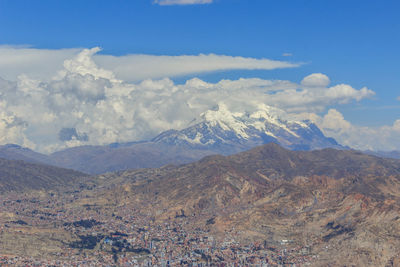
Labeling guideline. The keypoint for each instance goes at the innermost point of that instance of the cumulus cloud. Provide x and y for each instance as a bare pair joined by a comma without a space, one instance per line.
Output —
85,103
182,2
333,124
316,80
43,64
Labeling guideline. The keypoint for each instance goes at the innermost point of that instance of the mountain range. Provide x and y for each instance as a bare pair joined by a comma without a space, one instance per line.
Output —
341,206
217,131
226,133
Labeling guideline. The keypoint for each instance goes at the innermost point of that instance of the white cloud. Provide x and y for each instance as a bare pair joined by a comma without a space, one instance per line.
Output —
396,126
333,124
37,63
85,103
287,54
83,64
44,64
139,67
334,121
316,80
182,2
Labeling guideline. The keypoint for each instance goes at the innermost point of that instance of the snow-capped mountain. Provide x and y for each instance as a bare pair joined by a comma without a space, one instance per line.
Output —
228,132
218,131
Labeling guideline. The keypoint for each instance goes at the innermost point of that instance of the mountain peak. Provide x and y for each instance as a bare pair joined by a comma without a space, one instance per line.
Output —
225,131
227,120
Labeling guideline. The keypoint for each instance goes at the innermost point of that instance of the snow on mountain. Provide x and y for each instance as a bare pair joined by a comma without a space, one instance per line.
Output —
228,132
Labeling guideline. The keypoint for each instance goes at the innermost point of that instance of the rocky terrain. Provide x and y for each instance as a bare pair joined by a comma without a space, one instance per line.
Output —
343,205
320,208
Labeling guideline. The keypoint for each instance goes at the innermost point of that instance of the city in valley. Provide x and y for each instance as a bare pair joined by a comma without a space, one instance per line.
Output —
219,211
50,230
194,133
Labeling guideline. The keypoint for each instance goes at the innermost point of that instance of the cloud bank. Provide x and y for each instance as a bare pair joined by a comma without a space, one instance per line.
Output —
182,2
85,103
382,138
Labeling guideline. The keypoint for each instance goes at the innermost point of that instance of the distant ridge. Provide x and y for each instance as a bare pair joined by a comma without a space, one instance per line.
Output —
17,175
218,131
385,154
16,152
101,159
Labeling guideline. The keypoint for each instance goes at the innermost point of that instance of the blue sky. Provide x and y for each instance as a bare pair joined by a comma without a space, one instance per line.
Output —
353,42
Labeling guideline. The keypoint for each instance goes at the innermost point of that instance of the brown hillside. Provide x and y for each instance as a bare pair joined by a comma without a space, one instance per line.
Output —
342,200
18,175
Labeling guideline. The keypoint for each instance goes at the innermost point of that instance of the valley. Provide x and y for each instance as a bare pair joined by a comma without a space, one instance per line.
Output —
199,133
267,205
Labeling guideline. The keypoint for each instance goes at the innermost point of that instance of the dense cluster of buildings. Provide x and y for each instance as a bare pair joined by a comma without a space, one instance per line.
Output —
126,237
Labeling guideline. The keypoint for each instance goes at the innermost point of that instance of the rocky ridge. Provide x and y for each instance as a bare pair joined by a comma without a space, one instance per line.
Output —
336,203
326,207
